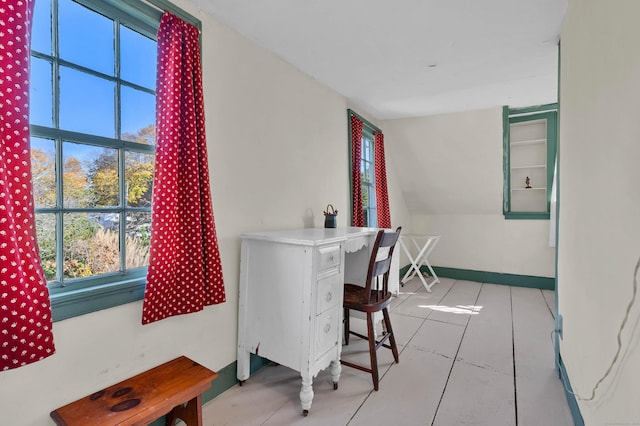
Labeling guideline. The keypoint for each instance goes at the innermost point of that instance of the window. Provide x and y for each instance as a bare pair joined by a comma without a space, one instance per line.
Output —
367,177
367,169
529,160
92,149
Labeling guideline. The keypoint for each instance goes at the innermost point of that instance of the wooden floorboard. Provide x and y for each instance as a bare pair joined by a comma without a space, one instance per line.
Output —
470,354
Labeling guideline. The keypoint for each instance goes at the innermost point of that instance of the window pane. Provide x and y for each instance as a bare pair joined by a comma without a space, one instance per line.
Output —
137,58
86,37
366,149
46,233
365,196
373,218
366,177
41,33
138,116
91,244
43,171
138,175
372,197
90,176
85,187
41,93
138,237
86,103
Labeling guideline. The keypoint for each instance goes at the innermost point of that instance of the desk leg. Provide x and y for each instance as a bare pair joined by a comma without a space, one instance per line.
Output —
244,364
306,394
336,369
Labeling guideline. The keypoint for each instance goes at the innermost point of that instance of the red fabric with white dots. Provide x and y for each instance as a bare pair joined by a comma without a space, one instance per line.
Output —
25,310
380,170
356,153
185,272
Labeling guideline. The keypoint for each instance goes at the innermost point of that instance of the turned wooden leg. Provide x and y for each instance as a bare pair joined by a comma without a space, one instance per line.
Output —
306,394
336,369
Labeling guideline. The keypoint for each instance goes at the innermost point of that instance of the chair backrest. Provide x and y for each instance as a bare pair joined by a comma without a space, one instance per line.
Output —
380,264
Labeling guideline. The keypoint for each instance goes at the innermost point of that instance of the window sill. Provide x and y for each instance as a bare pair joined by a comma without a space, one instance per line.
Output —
82,301
527,215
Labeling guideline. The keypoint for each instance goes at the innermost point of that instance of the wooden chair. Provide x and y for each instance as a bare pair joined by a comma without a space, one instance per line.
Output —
373,297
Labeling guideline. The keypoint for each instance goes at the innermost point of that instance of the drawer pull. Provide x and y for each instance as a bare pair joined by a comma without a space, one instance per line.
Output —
327,328
329,257
328,297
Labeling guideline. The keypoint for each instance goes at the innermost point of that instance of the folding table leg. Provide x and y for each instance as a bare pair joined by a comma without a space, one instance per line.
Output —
419,260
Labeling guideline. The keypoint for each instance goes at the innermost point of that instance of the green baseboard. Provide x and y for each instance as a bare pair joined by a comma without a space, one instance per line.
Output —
515,280
227,377
225,381
571,398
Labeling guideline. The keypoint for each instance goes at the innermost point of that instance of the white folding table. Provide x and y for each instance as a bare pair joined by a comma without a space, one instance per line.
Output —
423,245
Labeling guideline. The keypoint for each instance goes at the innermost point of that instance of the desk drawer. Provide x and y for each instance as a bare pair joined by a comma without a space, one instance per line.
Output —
327,332
328,292
329,257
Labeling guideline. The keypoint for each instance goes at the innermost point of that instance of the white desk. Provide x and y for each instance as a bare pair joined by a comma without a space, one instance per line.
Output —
423,245
290,300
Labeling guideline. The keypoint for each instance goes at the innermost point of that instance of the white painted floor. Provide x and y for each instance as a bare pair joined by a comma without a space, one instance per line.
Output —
460,347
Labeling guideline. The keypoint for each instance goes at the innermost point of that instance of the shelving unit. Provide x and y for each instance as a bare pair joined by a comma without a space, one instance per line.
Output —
528,159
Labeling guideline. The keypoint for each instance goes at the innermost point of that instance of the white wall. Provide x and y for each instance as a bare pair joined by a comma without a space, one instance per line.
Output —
599,239
451,177
278,155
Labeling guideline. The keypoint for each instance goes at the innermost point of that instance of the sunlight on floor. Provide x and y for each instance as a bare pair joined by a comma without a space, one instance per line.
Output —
460,309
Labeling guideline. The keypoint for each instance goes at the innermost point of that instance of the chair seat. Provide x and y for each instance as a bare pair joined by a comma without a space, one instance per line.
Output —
355,297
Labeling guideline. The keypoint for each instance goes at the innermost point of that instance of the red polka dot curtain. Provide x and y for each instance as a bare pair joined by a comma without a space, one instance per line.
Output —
356,188
25,310
185,273
380,176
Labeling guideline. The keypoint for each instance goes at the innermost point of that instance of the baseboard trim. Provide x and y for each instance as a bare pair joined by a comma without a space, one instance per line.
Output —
227,377
568,391
515,280
225,381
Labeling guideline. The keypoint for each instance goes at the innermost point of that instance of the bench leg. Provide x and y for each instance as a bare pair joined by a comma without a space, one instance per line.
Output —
191,413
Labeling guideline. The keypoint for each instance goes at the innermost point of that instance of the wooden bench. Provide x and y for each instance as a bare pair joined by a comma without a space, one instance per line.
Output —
144,398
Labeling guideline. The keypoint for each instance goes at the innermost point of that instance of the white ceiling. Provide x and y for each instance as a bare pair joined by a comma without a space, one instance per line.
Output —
408,58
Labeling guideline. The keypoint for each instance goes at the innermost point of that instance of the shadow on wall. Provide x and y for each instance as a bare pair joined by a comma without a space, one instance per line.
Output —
309,219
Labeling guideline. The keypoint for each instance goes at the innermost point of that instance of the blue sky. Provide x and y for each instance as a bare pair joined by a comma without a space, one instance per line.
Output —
87,101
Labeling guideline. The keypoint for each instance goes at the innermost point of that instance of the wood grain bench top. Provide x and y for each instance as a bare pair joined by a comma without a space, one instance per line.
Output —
140,399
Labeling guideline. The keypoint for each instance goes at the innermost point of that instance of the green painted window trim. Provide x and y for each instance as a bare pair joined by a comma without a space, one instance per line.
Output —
526,215
518,115
109,290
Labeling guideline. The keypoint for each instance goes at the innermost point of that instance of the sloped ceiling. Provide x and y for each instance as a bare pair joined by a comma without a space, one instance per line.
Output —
410,58
402,62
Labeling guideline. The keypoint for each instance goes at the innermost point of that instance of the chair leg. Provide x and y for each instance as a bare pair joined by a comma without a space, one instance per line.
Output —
392,337
372,350
346,326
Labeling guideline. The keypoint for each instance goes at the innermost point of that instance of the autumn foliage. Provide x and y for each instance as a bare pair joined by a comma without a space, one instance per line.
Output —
91,210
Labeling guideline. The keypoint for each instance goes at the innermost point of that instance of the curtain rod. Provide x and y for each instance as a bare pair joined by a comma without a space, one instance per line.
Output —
364,120
163,5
